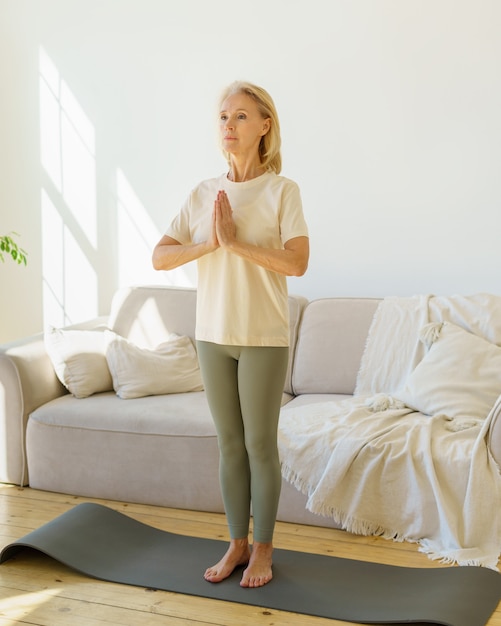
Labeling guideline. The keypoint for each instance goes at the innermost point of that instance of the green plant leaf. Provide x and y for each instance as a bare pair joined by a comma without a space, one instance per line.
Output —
8,245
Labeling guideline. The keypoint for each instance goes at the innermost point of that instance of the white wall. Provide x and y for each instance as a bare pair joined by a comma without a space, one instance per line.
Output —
390,112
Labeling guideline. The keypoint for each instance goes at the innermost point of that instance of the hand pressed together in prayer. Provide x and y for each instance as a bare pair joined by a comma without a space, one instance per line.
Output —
224,226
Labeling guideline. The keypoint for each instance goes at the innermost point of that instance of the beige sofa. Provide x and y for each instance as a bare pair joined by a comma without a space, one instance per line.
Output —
161,449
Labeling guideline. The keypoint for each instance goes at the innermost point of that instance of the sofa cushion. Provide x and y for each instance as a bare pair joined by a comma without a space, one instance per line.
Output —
157,450
459,376
78,358
330,345
175,414
172,367
148,315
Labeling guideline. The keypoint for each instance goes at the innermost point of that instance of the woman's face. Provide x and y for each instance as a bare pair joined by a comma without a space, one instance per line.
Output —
241,125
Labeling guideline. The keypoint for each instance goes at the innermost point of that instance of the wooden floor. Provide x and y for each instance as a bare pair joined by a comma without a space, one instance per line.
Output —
37,590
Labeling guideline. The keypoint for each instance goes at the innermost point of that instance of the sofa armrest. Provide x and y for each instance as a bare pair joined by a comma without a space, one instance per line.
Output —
27,381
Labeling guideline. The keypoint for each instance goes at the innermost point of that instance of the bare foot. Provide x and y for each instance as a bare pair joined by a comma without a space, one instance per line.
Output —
237,554
258,573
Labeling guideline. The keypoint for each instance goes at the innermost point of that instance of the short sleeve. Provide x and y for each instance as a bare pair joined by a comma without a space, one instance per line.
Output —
292,222
179,228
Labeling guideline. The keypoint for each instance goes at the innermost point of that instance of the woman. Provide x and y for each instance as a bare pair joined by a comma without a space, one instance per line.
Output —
247,231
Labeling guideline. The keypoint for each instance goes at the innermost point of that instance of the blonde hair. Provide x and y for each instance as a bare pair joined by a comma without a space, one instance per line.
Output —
269,148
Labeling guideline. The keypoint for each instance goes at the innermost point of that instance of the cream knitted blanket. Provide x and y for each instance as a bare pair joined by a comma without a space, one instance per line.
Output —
377,467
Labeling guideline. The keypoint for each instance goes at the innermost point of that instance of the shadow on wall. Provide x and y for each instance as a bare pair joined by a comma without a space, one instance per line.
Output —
76,249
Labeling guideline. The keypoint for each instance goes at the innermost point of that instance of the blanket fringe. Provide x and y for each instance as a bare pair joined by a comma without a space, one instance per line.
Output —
294,479
356,526
453,558
363,527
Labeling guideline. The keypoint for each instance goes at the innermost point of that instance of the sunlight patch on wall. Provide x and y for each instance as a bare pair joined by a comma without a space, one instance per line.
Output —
53,269
69,205
67,147
78,164
50,125
69,288
137,236
70,213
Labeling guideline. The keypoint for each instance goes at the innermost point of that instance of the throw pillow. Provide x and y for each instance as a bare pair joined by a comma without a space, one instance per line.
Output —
460,375
172,367
78,358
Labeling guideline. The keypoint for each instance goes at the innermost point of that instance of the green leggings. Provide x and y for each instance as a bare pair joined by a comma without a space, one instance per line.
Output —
244,386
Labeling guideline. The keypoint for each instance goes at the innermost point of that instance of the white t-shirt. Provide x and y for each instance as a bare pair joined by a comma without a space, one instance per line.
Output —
239,302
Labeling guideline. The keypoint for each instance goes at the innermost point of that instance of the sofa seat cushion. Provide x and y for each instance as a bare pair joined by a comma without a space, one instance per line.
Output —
155,450
176,414
173,414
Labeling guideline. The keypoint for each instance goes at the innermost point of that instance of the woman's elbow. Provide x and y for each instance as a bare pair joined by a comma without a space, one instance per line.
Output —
154,261
301,264
300,269
300,249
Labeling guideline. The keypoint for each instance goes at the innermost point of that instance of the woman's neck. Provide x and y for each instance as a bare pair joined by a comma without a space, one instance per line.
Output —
241,172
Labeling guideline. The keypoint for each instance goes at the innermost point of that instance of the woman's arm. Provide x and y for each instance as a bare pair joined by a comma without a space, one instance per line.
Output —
292,260
169,253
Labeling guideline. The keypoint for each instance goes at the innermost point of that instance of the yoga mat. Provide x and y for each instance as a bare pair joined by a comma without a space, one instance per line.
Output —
105,544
